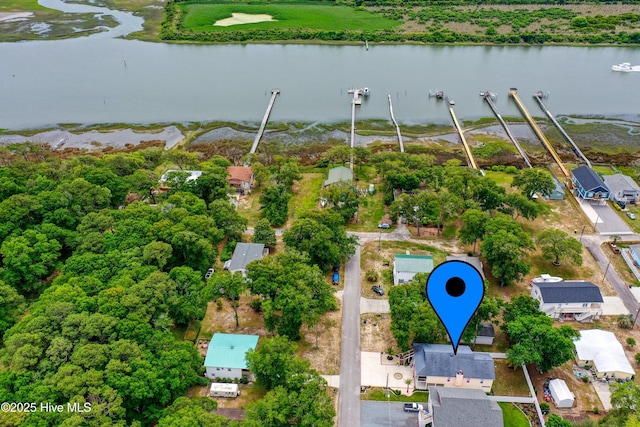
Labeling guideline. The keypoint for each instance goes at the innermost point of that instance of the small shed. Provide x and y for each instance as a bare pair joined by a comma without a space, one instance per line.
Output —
224,390
560,393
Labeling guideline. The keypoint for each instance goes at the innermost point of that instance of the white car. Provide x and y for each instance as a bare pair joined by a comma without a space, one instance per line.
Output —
209,273
546,278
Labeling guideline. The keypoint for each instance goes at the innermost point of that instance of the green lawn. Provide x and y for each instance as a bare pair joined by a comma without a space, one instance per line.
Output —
509,382
378,394
200,17
503,179
20,5
370,211
307,195
513,417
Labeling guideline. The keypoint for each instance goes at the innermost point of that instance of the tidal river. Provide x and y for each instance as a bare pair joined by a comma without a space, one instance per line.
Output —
106,79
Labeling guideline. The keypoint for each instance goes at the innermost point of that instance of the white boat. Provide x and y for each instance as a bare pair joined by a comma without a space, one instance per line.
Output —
546,278
626,67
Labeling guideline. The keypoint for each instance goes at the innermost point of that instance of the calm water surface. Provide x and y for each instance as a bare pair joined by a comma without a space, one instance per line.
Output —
103,79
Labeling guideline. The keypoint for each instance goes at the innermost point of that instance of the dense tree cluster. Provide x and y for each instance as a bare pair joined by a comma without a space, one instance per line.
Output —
297,394
107,282
293,292
533,337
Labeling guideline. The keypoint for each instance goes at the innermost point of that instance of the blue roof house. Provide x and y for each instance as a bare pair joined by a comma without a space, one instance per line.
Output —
588,184
226,355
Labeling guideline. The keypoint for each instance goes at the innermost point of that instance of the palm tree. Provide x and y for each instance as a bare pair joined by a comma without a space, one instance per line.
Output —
408,382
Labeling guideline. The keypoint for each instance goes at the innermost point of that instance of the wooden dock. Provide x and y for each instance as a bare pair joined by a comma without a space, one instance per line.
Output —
467,150
538,97
488,96
254,147
395,123
513,92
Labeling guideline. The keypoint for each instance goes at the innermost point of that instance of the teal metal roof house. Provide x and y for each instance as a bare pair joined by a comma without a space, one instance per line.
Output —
226,355
338,174
406,266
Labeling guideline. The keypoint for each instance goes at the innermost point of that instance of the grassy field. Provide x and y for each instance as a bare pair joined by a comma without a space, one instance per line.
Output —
509,382
378,394
306,194
20,5
201,17
513,417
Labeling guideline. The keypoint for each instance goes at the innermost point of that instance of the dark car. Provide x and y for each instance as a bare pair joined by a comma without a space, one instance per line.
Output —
378,290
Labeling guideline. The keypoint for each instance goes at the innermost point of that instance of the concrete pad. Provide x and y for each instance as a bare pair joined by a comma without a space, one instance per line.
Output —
602,390
613,306
605,218
636,292
332,380
374,373
370,305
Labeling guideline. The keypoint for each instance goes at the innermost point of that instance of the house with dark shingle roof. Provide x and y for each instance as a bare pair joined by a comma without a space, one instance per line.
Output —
581,301
436,365
588,184
452,407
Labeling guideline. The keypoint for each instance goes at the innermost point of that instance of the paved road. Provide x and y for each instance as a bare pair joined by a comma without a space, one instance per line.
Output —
349,393
592,243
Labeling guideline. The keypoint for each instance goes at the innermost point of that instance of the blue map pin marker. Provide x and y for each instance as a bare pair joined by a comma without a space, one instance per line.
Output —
455,290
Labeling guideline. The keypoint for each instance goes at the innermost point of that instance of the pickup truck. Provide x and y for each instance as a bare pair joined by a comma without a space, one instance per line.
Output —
412,407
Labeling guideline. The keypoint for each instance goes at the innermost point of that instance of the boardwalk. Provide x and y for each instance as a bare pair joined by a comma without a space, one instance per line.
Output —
467,150
488,97
254,147
393,119
538,97
534,126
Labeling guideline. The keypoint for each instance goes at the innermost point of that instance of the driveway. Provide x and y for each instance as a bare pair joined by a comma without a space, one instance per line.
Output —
375,373
602,389
607,221
349,392
381,414
613,306
370,305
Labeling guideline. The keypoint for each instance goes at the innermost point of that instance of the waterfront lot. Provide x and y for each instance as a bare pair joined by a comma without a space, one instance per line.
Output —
200,17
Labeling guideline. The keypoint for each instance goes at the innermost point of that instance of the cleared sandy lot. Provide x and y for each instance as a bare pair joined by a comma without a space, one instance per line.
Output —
243,18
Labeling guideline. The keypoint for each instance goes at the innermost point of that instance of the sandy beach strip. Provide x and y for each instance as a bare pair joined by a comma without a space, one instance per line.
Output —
14,16
243,18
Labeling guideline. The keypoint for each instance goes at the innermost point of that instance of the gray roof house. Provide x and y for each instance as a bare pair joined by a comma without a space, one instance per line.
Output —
581,301
463,407
243,254
623,188
337,174
473,260
435,364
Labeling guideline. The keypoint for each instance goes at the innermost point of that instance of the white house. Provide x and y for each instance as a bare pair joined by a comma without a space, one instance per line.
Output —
623,188
407,266
171,175
581,301
560,393
226,355
436,365
602,351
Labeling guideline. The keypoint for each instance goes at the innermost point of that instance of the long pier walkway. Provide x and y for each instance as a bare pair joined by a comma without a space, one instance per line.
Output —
254,147
538,97
393,119
465,145
513,92
488,96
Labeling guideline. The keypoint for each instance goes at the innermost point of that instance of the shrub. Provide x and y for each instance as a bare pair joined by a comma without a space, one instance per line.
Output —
256,304
372,276
244,380
544,407
637,357
511,170
625,321
631,342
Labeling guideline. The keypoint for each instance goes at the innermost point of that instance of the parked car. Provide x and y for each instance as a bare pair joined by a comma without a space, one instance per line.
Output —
209,273
631,215
336,279
378,290
384,225
413,407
